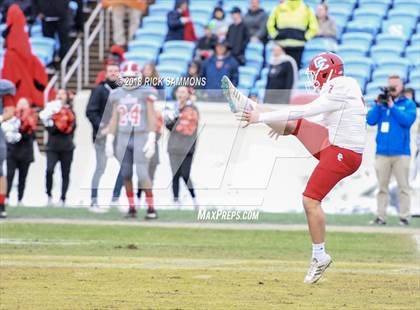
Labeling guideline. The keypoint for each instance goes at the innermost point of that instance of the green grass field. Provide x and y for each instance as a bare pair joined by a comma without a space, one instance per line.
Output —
69,266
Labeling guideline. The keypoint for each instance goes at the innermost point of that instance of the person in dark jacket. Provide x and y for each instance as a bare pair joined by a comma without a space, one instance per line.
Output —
282,76
181,119
20,152
255,20
25,5
394,116
55,16
237,36
214,68
177,22
99,115
205,44
60,122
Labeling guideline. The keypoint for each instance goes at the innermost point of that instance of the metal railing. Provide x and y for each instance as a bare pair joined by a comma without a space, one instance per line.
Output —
50,85
90,37
76,65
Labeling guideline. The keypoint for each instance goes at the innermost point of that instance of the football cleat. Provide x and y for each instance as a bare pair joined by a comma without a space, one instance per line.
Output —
377,221
95,208
316,269
131,214
151,214
3,215
237,101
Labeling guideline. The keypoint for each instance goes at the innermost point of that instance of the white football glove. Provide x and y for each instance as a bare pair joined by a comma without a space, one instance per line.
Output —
149,147
109,145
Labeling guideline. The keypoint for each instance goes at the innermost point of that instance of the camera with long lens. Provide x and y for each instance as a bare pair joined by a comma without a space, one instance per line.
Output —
384,96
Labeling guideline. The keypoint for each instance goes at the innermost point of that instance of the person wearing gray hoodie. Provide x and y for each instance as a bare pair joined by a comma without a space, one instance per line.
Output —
255,20
282,76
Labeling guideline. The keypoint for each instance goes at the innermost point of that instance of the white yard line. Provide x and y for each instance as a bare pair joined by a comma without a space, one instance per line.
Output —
233,226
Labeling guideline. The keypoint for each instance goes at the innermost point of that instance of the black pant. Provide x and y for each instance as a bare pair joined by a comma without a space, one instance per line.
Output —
65,158
22,167
181,167
295,53
62,28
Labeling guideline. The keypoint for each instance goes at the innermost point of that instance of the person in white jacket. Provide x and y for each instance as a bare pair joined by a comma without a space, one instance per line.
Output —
336,138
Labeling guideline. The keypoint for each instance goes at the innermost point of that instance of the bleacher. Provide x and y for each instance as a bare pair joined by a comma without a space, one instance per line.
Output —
374,37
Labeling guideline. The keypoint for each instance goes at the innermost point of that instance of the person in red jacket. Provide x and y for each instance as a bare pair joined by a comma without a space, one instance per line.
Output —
20,66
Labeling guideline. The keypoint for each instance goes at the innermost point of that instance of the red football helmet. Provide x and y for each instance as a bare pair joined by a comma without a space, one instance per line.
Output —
324,67
131,75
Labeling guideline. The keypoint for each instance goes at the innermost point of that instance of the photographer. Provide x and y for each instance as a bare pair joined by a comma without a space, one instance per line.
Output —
394,114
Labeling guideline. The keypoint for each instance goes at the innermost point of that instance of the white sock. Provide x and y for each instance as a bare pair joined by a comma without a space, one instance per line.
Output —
318,251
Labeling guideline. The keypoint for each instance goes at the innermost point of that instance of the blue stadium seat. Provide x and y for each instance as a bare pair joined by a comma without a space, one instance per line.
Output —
242,4
162,19
350,49
383,73
157,11
199,29
179,46
327,44
404,13
42,41
203,16
165,5
168,70
256,61
264,73
248,70
180,59
202,4
362,3
413,54
380,52
398,26
415,39
246,81
347,5
373,88
415,74
357,39
36,31
379,6
268,5
390,39
150,32
363,25
150,55
255,46
43,54
141,43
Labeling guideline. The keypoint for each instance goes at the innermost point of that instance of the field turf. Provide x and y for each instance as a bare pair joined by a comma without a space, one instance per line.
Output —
69,266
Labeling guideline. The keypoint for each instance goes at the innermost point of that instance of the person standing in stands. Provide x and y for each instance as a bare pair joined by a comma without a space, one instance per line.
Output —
219,24
292,23
178,19
327,26
134,9
99,115
55,17
181,119
205,44
20,151
60,122
214,68
282,76
7,110
255,20
237,36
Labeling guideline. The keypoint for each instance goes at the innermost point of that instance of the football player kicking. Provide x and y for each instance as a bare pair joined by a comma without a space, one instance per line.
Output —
133,123
335,136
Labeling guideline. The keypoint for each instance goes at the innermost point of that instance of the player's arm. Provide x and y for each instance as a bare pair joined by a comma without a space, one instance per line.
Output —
149,147
151,113
110,132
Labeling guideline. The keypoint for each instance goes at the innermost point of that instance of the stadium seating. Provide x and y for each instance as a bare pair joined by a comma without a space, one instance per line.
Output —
374,37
